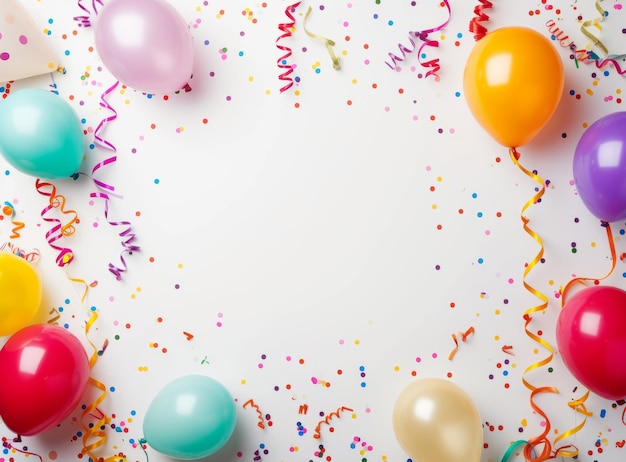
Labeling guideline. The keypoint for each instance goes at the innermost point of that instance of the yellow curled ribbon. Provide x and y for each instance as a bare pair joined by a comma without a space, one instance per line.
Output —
328,42
542,439
593,39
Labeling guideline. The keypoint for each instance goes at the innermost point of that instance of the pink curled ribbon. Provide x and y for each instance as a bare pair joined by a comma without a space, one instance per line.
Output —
106,191
282,61
422,36
85,20
59,230
475,26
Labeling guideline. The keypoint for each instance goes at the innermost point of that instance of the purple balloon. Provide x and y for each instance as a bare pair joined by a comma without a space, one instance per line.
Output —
600,167
145,44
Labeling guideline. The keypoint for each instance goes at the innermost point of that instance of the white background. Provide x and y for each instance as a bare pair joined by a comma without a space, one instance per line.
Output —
304,240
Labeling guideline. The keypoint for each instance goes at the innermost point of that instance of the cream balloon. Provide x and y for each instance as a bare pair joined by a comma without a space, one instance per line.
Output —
434,420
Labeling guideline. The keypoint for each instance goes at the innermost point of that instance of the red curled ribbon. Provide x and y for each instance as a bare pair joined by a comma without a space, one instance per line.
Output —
475,25
282,61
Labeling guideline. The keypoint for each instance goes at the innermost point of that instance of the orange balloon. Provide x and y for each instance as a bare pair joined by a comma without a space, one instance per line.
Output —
513,82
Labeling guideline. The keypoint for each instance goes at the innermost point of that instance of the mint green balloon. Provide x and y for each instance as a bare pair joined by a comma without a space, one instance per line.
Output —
40,134
191,418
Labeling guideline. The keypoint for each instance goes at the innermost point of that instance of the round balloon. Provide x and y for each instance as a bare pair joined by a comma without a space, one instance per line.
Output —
146,44
435,420
20,293
590,337
40,134
191,418
600,167
45,371
513,81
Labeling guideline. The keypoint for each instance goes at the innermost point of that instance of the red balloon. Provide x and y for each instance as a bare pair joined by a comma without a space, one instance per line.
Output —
591,338
45,371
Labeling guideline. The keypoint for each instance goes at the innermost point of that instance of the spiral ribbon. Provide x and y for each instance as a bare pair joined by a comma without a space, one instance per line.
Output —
328,42
85,20
107,191
475,25
593,39
282,61
422,36
59,230
9,210
542,439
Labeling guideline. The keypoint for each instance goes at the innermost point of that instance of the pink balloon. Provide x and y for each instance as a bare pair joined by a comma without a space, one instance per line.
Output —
145,44
591,338
45,371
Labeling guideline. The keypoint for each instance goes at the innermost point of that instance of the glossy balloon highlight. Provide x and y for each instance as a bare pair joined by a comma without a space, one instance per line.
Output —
190,418
45,371
20,293
590,337
40,134
434,420
513,81
600,167
146,44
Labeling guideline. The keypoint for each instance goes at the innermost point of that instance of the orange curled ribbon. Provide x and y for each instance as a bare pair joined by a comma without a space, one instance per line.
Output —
261,422
317,434
9,211
463,336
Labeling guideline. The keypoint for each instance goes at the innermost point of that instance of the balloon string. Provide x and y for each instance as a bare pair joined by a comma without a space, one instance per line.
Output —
282,61
85,20
542,439
581,280
327,419
475,25
59,230
593,39
9,211
328,42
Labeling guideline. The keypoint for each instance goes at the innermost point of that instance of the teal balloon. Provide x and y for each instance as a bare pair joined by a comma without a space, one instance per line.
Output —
40,134
191,418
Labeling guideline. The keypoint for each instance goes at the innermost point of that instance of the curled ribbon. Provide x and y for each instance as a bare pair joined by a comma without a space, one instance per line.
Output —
107,191
28,256
512,448
85,20
9,210
328,42
475,25
422,36
463,336
261,422
593,39
327,419
9,446
581,280
542,439
560,35
282,61
59,230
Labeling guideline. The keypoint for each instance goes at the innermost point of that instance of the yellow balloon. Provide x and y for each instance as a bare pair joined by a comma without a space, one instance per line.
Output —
20,293
434,420
513,81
